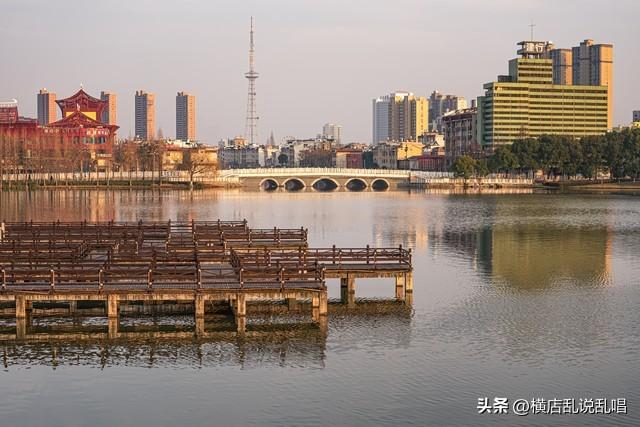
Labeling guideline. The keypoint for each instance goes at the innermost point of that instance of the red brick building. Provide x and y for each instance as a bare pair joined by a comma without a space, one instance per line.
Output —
79,140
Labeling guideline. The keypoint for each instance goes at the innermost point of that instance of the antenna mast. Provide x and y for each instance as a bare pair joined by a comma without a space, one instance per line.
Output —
251,123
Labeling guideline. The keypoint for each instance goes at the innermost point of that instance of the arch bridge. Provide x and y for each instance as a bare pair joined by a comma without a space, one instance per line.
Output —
319,179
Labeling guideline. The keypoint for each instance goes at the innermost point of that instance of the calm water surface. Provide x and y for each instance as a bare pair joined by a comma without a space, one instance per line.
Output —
516,295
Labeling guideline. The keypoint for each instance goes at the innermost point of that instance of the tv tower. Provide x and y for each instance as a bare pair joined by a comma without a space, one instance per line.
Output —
251,124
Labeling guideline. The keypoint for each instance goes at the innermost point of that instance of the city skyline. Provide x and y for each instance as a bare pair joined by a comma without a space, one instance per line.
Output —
330,55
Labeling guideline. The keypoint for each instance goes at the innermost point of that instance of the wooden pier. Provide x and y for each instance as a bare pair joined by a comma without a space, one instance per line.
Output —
197,262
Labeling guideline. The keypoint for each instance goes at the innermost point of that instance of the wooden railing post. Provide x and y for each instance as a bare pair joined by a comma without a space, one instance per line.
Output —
53,280
4,280
281,278
199,277
334,254
100,280
367,254
150,279
241,278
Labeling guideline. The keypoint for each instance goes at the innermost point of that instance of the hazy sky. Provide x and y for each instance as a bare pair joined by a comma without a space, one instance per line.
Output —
319,61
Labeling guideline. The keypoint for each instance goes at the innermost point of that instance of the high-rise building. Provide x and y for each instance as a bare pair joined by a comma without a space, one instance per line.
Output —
562,60
46,107
109,113
440,104
526,103
400,116
185,117
332,131
380,119
593,66
145,115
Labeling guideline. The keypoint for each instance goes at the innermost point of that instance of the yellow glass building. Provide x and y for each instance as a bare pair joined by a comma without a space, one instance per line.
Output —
527,103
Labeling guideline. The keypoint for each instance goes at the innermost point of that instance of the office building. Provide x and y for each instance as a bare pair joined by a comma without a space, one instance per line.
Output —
145,115
185,117
46,107
400,116
109,113
440,104
332,131
526,103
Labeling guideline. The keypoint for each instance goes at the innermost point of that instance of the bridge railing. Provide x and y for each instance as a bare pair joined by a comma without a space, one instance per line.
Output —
266,172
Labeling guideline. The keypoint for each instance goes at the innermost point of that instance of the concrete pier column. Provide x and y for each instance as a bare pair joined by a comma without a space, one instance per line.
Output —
292,303
241,305
114,326
112,305
21,327
241,323
73,307
319,305
199,326
21,306
348,290
400,286
199,306
241,312
408,286
324,303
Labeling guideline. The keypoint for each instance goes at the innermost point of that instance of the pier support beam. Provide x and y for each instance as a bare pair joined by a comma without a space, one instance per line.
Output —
348,290
292,303
112,306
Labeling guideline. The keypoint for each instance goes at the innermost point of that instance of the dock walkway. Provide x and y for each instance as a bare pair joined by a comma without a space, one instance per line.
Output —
198,261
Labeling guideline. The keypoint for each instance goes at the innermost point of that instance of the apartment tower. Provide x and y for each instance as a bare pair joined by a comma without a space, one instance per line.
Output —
185,117
46,107
109,113
400,116
145,115
593,66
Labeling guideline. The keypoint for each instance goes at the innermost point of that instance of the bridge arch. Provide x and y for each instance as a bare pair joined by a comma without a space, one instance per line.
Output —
325,184
294,184
380,184
356,184
269,184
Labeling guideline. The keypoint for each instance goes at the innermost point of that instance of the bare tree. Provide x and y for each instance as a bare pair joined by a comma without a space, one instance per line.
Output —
196,163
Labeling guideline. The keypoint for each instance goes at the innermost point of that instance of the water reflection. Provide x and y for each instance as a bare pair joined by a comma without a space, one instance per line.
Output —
273,336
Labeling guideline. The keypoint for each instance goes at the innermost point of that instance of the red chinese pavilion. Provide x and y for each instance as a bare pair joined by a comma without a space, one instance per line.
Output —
77,140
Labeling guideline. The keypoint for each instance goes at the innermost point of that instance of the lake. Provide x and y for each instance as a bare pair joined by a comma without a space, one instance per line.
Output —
522,295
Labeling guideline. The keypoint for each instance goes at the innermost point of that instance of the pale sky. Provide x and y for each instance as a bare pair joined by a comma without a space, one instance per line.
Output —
319,61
